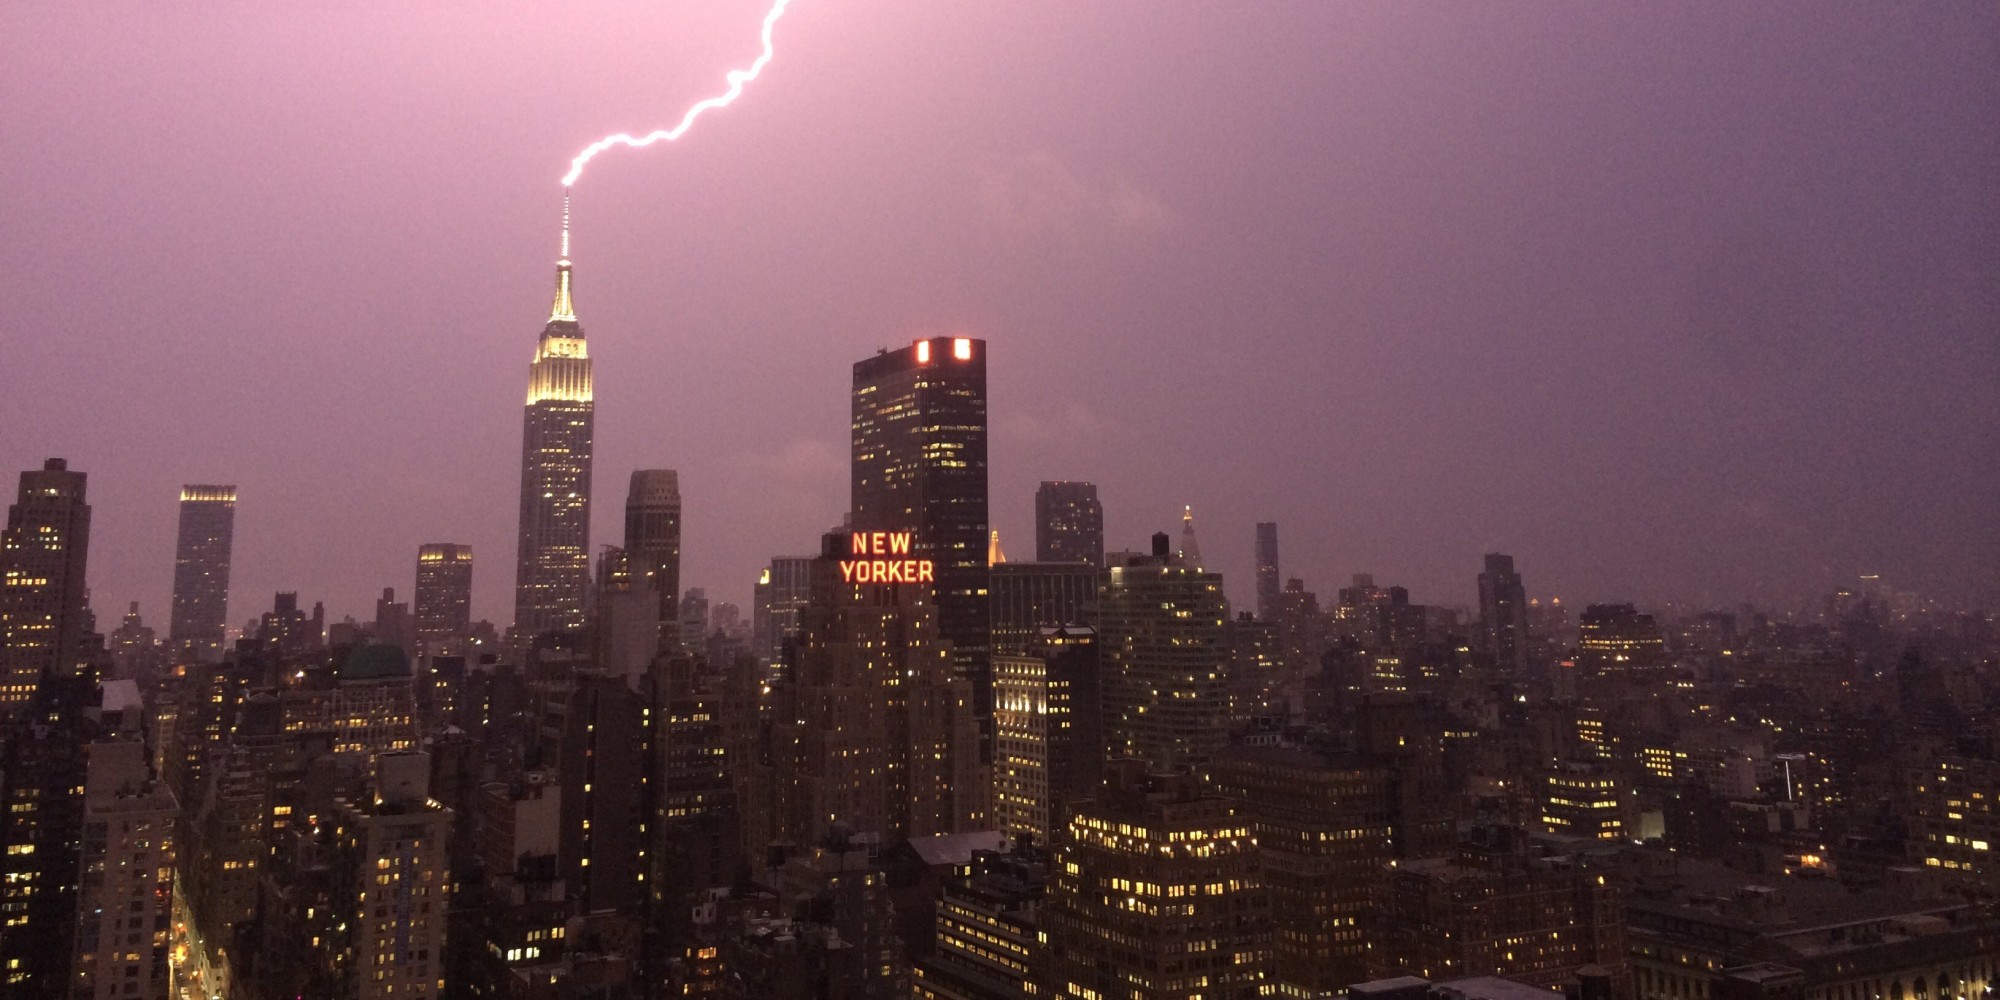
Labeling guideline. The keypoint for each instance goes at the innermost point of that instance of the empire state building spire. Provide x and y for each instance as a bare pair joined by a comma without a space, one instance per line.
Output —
564,310
552,574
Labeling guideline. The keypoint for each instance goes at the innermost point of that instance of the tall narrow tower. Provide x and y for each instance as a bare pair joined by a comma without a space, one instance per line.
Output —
201,572
1268,584
553,572
42,601
653,534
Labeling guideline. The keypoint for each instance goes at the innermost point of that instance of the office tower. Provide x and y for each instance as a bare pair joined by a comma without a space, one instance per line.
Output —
919,435
1155,892
986,930
1503,615
42,779
1160,628
42,595
367,703
653,535
1302,632
391,940
135,652
201,571
625,617
603,763
125,893
392,623
1259,690
782,591
1049,731
1323,817
1029,597
444,595
552,572
1582,799
1268,580
871,728
1615,641
1069,523
693,613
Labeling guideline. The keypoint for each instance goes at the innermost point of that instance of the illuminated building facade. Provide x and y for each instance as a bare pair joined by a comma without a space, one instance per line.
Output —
1503,615
1269,582
986,931
444,595
42,590
552,572
1161,639
653,537
871,728
1049,732
919,465
1494,908
1582,799
1325,823
391,942
1069,523
125,891
1615,641
1155,893
201,571
1954,819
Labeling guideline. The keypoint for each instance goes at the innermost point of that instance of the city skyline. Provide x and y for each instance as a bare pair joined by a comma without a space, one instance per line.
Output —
1771,425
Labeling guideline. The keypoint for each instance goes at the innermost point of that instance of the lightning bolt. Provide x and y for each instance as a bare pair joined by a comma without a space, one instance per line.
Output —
737,79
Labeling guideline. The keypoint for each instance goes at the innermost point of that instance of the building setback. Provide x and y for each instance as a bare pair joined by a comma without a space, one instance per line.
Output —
552,571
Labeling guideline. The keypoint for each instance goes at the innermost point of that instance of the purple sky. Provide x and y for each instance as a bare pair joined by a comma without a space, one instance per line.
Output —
1692,301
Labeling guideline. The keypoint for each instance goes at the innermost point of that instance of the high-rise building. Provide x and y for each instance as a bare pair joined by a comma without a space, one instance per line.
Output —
201,571
390,942
1160,625
1155,893
42,596
1049,732
1268,579
552,573
653,535
444,594
125,893
782,591
1069,523
1616,641
871,728
986,937
1029,597
1503,614
919,436
1325,824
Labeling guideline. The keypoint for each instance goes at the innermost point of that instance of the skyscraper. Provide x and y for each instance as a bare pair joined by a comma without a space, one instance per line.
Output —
1160,629
1069,523
444,593
919,436
783,590
1268,580
42,595
653,535
1503,614
201,571
552,574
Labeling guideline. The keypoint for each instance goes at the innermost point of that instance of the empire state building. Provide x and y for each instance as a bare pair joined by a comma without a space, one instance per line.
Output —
553,572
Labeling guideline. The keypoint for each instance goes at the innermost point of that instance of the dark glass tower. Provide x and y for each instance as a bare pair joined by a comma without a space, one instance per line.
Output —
1069,524
653,534
201,572
42,594
552,575
444,594
1503,614
920,466
1268,582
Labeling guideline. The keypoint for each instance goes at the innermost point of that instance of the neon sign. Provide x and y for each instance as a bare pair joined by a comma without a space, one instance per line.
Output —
884,557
